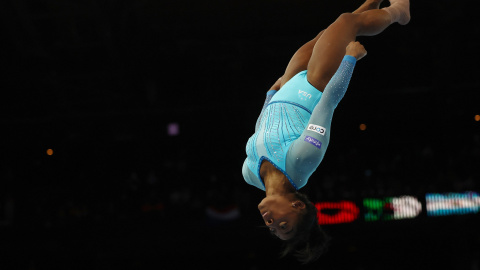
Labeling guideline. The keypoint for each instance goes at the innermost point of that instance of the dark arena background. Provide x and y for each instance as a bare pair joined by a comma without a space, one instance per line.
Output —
124,124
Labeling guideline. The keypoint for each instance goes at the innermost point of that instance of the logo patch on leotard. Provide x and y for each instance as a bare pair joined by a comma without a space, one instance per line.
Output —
304,95
313,141
318,129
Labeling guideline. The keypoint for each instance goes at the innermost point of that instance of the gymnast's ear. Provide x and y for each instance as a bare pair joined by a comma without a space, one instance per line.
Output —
298,204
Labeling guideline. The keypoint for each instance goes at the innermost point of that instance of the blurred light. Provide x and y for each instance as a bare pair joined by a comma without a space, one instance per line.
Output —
391,208
374,209
477,117
173,129
363,127
452,203
226,213
49,151
406,207
336,212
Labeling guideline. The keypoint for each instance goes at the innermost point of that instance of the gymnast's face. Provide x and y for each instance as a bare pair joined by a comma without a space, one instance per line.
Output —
281,215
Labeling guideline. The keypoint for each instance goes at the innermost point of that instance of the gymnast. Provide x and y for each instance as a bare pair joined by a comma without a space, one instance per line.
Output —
293,130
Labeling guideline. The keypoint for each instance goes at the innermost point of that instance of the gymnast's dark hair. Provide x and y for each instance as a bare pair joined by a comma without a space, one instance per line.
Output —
310,241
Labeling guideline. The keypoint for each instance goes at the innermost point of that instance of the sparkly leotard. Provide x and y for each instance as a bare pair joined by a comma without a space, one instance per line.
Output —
293,129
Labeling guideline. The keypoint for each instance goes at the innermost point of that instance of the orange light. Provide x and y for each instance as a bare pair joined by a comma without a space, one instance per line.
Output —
363,127
49,152
477,117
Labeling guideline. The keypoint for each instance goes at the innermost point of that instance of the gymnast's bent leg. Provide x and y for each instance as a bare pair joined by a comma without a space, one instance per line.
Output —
330,47
299,61
328,54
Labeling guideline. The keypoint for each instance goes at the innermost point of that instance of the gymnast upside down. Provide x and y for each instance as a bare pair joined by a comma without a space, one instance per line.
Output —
293,130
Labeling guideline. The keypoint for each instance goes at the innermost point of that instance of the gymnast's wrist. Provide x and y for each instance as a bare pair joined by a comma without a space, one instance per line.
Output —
271,92
350,58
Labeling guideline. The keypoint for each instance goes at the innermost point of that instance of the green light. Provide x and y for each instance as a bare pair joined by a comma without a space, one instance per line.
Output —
391,208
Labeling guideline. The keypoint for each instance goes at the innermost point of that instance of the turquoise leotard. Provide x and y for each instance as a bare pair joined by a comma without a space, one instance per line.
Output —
293,129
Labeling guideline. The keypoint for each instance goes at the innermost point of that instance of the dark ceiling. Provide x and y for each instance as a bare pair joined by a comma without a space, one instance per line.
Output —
73,58
122,70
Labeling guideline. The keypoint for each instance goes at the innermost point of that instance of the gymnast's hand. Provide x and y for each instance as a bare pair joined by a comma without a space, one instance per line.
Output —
356,50
276,85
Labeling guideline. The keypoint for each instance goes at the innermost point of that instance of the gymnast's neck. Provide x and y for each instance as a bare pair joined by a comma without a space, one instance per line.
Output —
276,183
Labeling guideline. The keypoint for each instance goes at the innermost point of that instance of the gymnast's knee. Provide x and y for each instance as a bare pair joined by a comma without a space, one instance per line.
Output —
347,18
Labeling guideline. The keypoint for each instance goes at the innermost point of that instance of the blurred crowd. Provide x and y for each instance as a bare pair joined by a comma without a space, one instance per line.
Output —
127,215
170,188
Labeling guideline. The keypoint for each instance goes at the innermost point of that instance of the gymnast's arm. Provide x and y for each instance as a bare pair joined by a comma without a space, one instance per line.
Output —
276,85
307,151
249,176
273,90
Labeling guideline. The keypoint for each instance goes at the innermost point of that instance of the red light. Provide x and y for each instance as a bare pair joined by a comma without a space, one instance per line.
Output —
336,212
